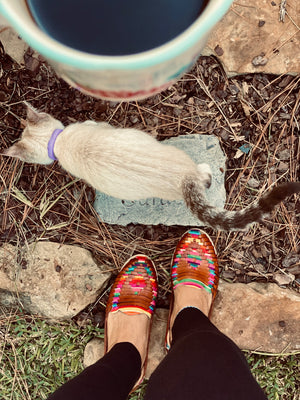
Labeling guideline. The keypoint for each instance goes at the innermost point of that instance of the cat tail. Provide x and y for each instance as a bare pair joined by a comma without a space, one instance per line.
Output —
195,199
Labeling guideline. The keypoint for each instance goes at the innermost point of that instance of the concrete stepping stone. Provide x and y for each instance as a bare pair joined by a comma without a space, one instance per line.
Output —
153,211
256,316
251,38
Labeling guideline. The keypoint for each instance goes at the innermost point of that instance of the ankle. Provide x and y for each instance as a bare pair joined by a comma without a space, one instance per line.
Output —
188,296
133,329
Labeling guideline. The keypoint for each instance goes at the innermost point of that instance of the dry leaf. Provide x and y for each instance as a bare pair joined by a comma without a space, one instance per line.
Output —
238,154
283,279
246,107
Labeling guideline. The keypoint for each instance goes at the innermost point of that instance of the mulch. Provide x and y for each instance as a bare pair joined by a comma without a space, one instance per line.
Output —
255,117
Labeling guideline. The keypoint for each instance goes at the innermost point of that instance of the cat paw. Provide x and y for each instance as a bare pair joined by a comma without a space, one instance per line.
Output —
205,174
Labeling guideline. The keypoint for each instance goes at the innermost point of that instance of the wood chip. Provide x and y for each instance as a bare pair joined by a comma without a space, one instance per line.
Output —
283,279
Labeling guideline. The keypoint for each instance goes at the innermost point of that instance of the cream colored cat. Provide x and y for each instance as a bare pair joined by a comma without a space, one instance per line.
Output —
132,165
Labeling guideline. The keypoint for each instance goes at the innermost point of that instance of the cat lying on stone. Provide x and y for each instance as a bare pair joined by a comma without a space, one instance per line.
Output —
132,165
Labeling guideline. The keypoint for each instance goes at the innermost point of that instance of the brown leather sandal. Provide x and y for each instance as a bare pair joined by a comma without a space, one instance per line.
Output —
134,292
194,264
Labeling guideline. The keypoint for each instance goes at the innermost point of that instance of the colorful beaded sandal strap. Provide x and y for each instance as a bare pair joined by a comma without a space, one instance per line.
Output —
132,311
135,289
195,262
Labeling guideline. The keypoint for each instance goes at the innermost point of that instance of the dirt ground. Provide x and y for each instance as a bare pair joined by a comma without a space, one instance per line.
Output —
256,117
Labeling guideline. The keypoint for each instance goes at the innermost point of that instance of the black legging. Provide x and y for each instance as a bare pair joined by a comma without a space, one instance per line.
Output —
201,364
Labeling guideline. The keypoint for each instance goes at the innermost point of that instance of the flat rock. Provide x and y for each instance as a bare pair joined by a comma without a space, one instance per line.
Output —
3,22
49,279
13,45
93,351
153,211
259,316
255,316
251,38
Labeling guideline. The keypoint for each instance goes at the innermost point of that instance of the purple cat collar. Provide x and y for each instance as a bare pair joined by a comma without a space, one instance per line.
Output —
51,144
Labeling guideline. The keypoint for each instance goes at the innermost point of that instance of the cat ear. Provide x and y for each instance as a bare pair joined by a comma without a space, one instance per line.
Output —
33,116
17,150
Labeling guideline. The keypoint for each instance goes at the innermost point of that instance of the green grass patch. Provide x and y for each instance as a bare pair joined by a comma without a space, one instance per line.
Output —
36,357
279,376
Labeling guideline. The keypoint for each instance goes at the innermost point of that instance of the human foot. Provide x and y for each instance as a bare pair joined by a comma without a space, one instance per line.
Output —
188,296
131,305
194,276
134,329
